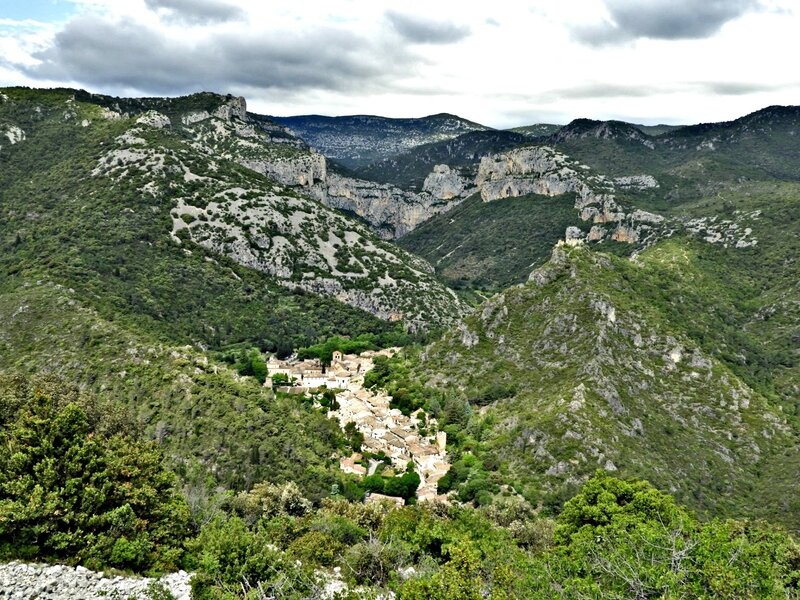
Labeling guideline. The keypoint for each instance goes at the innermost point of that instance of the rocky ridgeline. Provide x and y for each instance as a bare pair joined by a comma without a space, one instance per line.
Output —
267,148
59,582
545,171
278,228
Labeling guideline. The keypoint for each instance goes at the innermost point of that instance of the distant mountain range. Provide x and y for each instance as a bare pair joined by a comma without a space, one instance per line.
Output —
358,140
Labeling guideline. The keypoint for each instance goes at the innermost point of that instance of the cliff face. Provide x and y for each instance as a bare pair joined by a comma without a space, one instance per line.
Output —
281,226
545,171
390,211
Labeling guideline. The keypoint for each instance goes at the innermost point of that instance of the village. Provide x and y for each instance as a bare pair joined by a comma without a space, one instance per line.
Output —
386,430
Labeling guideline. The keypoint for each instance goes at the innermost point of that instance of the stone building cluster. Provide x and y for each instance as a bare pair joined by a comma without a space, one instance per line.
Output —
311,374
385,429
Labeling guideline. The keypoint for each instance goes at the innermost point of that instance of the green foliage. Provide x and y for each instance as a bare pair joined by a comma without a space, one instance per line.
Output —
247,362
402,486
354,437
394,376
76,487
366,341
616,539
626,539
324,351
490,245
229,557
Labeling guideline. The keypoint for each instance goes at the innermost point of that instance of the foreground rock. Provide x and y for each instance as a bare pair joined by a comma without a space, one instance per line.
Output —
60,582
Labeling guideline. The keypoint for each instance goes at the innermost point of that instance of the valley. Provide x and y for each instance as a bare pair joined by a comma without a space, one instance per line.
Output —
400,357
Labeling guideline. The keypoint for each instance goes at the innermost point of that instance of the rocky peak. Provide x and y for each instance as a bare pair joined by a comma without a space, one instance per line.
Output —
606,130
232,107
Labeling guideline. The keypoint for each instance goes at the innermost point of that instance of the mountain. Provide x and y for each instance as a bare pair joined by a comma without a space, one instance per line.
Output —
656,130
537,130
721,151
601,362
191,179
409,169
529,197
361,139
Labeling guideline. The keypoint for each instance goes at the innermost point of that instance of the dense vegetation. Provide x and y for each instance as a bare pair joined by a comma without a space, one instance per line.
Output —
492,245
77,485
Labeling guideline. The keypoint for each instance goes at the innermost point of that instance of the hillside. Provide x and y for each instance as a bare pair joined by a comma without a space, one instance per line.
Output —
409,169
761,145
537,130
138,252
492,245
153,189
358,140
215,427
599,362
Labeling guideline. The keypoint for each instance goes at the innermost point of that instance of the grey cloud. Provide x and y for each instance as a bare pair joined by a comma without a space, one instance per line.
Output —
737,88
132,57
604,90
663,19
197,11
423,31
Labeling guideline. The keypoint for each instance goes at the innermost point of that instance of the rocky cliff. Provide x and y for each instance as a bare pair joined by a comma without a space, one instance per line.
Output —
545,171
276,224
391,211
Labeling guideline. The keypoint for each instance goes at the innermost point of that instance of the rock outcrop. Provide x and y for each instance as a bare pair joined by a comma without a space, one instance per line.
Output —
60,582
304,170
445,183
278,226
391,211
545,171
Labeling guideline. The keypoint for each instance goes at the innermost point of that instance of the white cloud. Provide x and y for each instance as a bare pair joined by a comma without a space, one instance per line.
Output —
504,63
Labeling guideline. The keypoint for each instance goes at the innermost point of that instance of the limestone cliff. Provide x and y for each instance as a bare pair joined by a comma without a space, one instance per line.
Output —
281,225
391,211
545,171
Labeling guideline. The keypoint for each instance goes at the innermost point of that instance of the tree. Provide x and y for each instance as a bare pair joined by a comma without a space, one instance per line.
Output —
624,538
76,487
355,439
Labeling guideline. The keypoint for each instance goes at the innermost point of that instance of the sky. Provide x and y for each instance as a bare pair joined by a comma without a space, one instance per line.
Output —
503,63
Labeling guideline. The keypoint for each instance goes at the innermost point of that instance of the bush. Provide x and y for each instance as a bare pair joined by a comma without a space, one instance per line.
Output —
76,487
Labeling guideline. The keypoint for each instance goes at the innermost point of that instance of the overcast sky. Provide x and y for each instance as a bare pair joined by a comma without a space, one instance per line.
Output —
502,63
